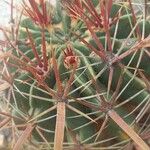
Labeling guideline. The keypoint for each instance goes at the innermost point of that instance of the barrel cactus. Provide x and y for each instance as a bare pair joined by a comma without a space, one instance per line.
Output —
79,76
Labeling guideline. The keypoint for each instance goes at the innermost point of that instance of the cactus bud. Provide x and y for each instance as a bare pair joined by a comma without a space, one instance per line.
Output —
70,59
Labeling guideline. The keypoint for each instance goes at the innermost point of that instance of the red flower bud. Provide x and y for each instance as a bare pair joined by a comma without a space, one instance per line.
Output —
70,59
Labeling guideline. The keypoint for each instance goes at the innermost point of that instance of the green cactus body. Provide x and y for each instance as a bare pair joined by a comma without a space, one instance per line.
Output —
69,48
135,84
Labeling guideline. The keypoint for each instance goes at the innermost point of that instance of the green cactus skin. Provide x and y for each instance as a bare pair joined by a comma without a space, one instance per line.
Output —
136,85
23,101
125,22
